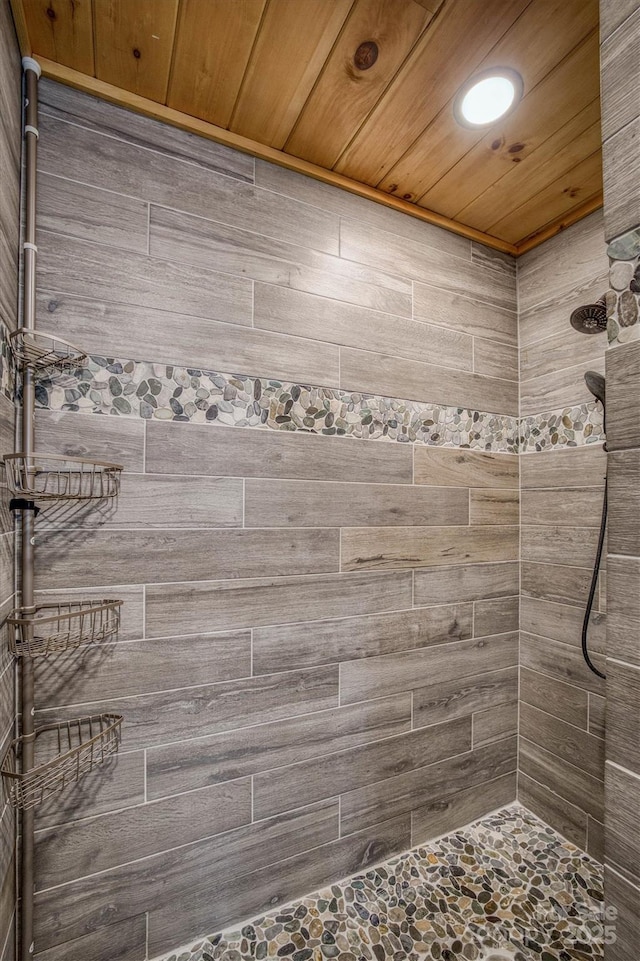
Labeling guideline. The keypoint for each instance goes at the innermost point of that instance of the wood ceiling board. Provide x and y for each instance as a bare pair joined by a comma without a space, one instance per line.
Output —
561,95
214,39
344,95
557,226
293,43
571,190
427,80
134,44
538,41
22,31
184,121
61,30
566,148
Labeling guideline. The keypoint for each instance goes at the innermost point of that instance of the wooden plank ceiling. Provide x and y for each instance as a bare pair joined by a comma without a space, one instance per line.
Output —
278,78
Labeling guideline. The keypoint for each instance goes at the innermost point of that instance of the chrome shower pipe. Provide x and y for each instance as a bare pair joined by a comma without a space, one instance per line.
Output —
29,257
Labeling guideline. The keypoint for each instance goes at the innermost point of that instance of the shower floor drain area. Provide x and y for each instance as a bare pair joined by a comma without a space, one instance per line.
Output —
507,888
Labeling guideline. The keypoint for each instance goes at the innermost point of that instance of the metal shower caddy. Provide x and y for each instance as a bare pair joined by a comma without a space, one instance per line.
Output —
46,759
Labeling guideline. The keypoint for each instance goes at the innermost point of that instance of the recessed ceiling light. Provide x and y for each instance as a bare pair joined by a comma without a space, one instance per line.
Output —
487,97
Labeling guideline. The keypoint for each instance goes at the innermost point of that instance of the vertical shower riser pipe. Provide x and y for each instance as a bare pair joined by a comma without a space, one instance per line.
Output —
31,77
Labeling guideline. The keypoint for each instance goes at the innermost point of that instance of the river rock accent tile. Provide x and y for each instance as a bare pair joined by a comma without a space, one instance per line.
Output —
132,388
623,302
507,886
569,427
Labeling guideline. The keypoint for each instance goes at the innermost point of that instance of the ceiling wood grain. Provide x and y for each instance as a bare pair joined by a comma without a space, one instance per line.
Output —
277,78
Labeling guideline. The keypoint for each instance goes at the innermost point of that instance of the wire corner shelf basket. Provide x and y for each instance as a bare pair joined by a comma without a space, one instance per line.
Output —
65,752
63,626
58,477
43,352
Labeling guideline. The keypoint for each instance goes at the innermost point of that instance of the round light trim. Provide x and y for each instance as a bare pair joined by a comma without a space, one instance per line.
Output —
487,97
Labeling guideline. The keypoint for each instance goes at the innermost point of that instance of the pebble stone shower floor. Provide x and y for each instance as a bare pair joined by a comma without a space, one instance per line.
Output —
506,888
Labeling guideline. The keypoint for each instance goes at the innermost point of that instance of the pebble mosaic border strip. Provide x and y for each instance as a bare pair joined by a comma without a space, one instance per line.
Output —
129,388
623,302
506,887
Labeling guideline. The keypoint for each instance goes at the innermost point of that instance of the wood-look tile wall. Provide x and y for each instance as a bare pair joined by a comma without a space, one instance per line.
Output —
620,69
318,659
10,147
561,761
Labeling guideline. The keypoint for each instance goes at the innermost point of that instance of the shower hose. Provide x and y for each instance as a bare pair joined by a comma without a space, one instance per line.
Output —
594,584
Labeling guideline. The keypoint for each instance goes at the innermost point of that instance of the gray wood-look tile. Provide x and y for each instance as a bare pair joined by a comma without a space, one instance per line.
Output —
90,213
178,555
624,502
442,663
78,908
221,605
563,700
199,762
574,467
131,613
557,389
447,814
560,546
562,778
495,723
473,317
119,440
623,896
371,548
168,337
488,506
612,15
562,622
333,774
564,740
558,268
389,252
623,717
109,275
569,820
424,785
307,504
7,547
461,696
73,151
623,397
65,103
359,210
494,259
120,784
544,320
465,582
620,73
574,507
7,425
167,716
99,672
75,850
562,661
233,900
620,184
495,616
597,715
286,646
553,355
363,370
622,804
8,283
452,467
157,501
550,582
493,359
125,941
238,452
623,630
176,236
299,314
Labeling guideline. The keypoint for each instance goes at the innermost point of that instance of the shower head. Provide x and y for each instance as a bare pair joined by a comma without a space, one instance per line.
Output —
591,318
596,384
